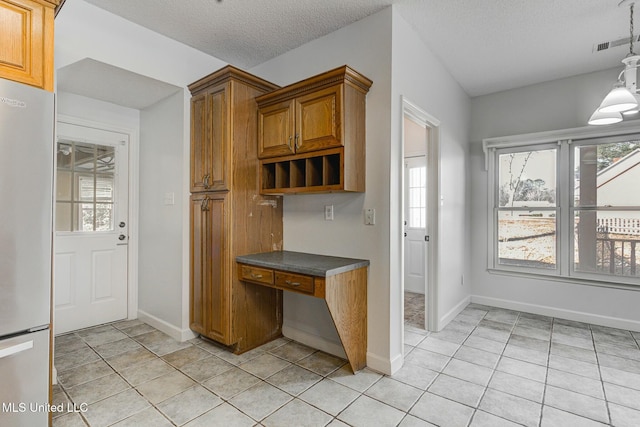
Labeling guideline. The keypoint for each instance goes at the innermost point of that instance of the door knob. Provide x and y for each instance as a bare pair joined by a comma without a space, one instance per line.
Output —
122,237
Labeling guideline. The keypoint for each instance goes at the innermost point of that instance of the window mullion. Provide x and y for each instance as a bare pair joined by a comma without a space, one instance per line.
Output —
565,194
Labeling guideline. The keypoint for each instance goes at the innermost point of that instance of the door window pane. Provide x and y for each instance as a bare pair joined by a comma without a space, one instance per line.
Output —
417,197
86,201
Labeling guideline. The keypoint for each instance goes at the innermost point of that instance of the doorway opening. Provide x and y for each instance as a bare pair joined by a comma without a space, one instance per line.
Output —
420,140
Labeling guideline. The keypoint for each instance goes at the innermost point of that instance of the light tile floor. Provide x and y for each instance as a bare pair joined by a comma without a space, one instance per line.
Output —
488,367
414,309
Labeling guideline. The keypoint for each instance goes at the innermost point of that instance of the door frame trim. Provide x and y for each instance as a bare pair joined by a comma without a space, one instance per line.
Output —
133,210
415,113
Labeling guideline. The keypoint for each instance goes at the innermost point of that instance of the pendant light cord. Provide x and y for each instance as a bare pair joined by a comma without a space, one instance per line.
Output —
631,53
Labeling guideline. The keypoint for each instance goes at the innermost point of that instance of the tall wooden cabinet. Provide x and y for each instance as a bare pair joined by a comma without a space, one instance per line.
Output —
228,215
26,46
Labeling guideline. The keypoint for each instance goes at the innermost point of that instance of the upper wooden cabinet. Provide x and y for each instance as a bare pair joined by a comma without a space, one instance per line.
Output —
26,50
311,134
211,127
307,123
209,140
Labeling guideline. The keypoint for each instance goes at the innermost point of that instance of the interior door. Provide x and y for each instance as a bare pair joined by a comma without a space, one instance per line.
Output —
415,221
91,227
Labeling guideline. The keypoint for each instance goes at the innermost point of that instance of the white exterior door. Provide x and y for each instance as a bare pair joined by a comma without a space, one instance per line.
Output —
90,281
415,187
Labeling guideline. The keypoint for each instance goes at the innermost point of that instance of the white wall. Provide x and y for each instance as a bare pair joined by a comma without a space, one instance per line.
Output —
560,104
419,76
85,31
97,111
365,46
160,254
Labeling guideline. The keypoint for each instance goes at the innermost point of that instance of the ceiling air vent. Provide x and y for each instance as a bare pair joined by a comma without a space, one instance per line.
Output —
598,47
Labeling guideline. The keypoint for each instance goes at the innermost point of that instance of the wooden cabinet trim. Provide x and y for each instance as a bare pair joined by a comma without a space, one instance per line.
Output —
329,78
230,73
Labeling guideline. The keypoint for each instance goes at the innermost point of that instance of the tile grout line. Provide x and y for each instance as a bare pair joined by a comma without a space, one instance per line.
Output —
604,391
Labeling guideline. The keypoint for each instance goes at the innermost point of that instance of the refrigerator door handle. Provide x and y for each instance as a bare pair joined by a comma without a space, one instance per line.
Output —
15,349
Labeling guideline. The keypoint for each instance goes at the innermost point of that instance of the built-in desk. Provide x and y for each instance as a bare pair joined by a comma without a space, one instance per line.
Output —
341,282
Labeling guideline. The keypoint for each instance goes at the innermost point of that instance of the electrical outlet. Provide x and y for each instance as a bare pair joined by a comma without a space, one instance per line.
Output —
328,213
369,216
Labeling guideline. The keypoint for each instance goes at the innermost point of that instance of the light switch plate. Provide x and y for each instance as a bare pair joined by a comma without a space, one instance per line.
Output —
369,216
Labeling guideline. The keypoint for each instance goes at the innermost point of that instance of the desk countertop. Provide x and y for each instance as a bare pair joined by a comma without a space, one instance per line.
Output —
303,263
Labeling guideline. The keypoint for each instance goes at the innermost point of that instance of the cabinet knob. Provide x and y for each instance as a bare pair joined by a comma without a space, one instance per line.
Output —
205,181
256,276
290,283
289,144
297,141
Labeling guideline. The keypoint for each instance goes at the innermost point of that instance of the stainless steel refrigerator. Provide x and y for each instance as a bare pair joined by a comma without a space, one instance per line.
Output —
26,206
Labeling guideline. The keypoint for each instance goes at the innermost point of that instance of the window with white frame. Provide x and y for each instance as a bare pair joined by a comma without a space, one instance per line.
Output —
567,208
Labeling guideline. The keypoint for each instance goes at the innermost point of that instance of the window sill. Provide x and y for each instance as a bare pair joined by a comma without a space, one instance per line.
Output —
626,283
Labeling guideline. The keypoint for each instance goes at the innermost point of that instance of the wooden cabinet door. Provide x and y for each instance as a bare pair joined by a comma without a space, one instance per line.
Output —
210,152
210,298
276,130
199,273
199,142
26,50
318,120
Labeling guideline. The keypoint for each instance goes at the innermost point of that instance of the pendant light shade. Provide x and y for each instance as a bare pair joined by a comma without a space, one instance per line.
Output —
619,99
623,98
600,118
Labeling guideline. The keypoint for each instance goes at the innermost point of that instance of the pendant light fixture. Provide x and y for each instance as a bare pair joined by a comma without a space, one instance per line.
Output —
623,98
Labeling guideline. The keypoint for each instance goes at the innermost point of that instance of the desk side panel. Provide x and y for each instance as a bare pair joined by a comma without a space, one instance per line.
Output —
346,297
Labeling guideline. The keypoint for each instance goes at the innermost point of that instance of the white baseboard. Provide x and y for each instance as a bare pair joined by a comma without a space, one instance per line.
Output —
384,365
578,316
451,314
169,329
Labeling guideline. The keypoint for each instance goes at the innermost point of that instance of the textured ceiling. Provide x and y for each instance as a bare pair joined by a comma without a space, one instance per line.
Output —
243,32
487,45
